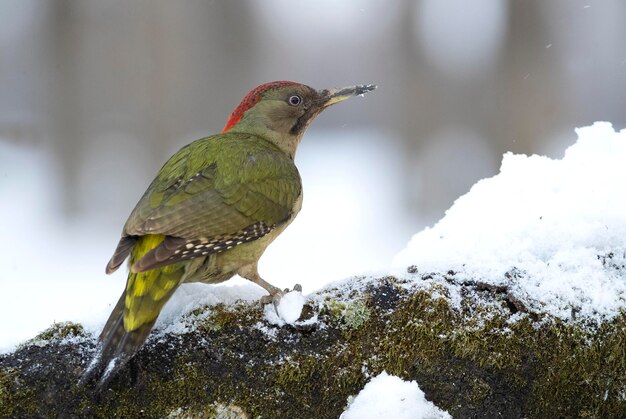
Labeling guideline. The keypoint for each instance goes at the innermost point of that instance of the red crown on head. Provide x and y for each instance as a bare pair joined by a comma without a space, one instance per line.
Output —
252,99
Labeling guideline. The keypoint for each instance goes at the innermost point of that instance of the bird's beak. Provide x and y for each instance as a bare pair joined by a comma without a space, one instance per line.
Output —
332,96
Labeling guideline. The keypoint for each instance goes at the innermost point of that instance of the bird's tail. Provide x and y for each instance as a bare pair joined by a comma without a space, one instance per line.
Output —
134,314
116,346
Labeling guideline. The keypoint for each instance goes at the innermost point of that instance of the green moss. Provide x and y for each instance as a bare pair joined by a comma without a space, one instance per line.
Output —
295,372
335,309
183,388
545,363
15,399
585,367
318,386
57,332
540,363
478,391
473,361
218,317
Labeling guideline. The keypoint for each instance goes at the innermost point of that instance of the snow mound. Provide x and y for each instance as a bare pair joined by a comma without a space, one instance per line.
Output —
388,396
290,306
552,231
288,310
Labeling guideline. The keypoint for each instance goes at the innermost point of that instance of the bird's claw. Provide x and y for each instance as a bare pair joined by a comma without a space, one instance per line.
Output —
278,295
266,299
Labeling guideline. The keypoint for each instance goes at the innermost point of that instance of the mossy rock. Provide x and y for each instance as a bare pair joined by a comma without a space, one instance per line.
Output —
481,357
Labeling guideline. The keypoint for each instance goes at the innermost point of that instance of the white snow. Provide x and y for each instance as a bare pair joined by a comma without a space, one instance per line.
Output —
290,306
271,316
287,311
561,223
388,396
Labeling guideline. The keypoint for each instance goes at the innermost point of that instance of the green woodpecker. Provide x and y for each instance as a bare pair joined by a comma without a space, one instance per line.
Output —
212,210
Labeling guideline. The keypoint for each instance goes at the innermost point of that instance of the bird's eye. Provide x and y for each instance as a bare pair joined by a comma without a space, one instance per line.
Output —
295,100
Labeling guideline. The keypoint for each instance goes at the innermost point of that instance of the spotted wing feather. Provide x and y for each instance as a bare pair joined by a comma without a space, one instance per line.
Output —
212,195
176,249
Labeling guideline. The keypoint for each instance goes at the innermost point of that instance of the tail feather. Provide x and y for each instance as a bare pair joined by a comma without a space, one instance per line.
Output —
116,346
137,309
122,251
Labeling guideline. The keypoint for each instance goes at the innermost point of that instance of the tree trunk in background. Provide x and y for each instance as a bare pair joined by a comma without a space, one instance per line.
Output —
511,106
131,77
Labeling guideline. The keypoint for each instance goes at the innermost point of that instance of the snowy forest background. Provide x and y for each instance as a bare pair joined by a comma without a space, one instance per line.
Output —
94,96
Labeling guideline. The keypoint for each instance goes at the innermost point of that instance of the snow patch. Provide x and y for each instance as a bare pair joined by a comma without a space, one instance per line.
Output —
288,310
189,297
269,332
290,306
388,396
67,340
552,230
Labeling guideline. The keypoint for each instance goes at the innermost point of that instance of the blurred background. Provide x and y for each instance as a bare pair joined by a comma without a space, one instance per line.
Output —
96,95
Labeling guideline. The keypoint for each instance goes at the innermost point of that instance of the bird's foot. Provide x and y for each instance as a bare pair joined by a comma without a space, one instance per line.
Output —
276,296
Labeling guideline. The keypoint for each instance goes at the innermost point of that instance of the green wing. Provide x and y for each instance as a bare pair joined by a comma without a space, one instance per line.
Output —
212,195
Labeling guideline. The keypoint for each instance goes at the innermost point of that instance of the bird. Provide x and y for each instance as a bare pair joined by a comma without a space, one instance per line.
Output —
211,211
